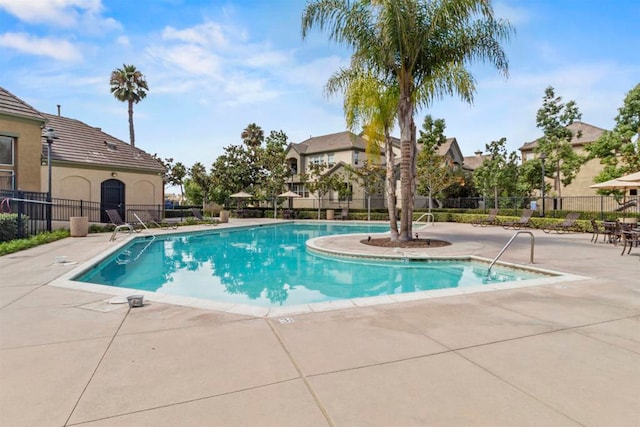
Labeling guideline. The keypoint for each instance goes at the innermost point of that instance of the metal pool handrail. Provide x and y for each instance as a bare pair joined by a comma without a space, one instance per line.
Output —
428,215
507,245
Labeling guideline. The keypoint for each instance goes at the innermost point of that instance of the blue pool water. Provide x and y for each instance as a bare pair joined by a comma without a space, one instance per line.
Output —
270,266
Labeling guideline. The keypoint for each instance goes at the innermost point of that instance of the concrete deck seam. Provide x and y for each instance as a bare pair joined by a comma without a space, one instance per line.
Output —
184,402
547,321
303,377
104,353
455,350
578,331
23,296
520,389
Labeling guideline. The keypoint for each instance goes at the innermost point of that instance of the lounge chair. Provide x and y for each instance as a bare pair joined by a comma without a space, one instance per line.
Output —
491,219
197,213
119,224
153,217
569,224
523,222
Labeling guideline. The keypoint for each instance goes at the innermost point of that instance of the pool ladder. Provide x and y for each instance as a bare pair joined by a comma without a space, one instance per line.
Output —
427,215
507,245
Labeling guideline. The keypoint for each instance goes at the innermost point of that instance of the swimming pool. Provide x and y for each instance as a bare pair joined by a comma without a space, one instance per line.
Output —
268,266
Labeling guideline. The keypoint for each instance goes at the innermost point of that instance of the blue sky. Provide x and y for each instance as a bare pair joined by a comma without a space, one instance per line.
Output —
213,67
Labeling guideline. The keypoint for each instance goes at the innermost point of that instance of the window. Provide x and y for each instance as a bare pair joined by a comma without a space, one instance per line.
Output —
330,159
6,150
301,190
6,180
529,156
315,160
356,156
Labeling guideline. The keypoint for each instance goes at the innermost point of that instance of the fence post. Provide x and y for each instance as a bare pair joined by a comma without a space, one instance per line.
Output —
20,198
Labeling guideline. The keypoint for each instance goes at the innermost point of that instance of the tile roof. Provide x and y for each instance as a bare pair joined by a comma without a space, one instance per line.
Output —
14,106
474,162
340,141
80,143
590,133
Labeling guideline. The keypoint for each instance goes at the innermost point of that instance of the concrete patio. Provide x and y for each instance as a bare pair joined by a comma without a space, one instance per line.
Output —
557,354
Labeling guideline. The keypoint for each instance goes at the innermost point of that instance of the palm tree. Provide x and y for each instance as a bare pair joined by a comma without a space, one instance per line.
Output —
414,44
370,103
129,85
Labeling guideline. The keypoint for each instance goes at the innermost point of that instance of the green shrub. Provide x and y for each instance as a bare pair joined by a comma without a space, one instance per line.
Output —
9,227
31,242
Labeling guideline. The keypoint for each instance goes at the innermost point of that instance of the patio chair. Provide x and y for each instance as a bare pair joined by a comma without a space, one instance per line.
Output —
197,213
119,224
609,231
597,230
523,222
569,224
491,219
631,238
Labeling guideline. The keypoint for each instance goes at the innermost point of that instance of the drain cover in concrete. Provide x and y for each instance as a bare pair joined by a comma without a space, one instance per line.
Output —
103,306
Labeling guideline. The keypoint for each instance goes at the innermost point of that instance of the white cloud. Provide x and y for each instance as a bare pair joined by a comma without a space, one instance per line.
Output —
241,90
53,48
189,58
266,58
207,34
123,41
515,15
84,14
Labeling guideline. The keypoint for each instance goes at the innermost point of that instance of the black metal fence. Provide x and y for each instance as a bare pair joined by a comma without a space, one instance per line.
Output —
33,208
598,206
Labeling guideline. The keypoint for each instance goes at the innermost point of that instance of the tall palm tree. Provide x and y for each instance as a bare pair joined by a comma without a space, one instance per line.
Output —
371,104
414,44
129,85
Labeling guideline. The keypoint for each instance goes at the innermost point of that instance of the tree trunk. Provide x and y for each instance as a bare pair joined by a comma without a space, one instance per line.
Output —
391,187
132,136
319,205
558,183
368,207
407,165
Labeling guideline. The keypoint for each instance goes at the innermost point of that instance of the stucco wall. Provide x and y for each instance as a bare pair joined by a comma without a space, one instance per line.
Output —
27,150
84,184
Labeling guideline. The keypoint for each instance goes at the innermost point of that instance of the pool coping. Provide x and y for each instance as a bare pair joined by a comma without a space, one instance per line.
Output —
315,245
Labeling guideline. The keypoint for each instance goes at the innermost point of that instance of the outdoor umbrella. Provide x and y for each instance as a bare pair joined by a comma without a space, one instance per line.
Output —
631,177
290,195
241,195
622,183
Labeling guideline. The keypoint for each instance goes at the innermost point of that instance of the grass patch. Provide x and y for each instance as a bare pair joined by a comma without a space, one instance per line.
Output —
33,241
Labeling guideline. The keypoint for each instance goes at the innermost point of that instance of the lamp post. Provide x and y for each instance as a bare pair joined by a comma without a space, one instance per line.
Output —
50,135
542,157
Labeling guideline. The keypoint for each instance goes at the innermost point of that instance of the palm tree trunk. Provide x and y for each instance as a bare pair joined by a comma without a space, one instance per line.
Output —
132,136
407,165
391,186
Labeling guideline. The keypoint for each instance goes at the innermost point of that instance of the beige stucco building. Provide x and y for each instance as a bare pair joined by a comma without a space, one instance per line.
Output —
335,151
87,164
584,178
